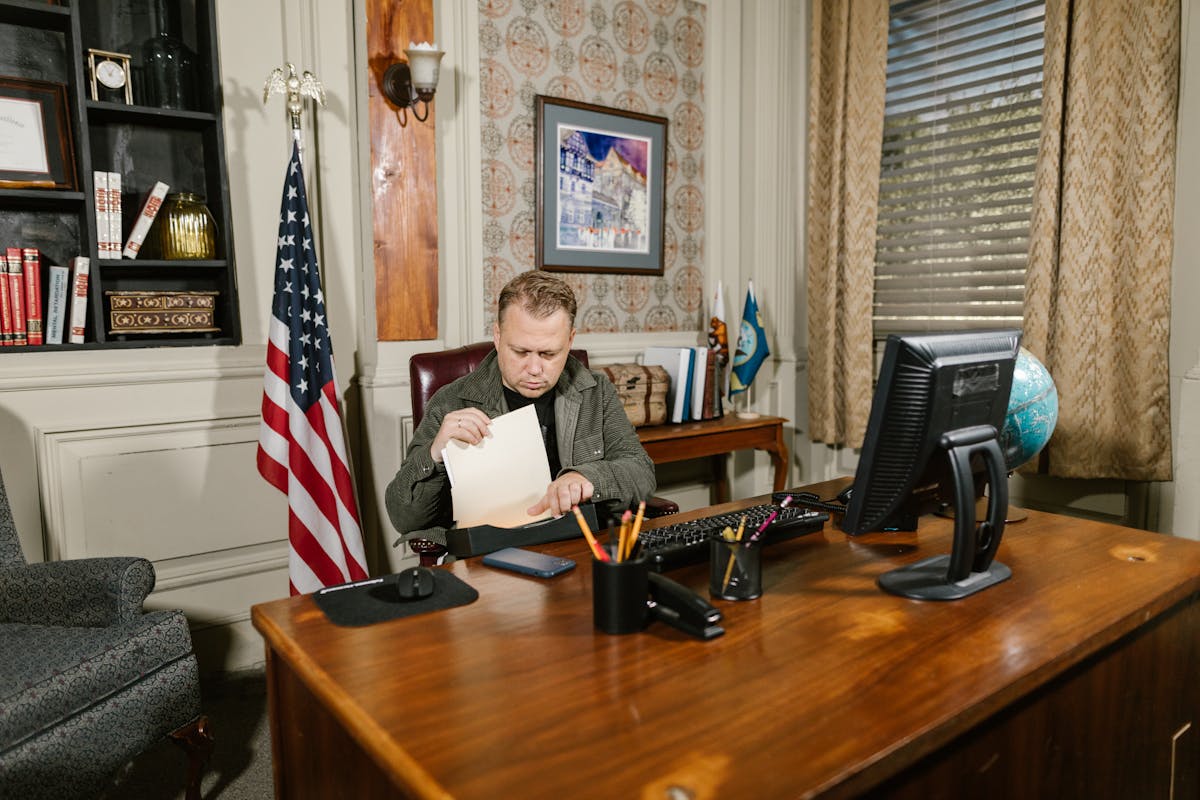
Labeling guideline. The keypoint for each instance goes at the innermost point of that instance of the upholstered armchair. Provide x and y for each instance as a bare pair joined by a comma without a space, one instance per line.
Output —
88,680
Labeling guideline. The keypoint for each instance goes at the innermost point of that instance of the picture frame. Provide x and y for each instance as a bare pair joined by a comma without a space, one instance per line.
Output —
601,188
35,136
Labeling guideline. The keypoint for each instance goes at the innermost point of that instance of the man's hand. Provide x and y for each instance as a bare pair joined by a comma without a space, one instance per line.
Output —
468,425
569,489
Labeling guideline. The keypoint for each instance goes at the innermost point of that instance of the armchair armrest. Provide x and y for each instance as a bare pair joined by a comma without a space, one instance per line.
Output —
83,592
660,507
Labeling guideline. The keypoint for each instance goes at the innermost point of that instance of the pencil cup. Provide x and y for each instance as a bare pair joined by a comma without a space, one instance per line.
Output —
619,593
734,570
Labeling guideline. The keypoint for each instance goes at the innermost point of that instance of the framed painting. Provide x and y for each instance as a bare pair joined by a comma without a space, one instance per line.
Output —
601,188
35,136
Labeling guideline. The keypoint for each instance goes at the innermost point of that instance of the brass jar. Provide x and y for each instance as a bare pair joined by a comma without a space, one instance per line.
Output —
186,229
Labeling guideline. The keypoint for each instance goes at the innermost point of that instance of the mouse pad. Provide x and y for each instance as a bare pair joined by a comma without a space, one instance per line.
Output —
366,605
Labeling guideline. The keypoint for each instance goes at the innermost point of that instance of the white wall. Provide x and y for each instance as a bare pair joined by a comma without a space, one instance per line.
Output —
1180,504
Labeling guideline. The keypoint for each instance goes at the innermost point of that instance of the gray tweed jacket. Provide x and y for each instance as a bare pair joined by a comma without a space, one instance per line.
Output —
595,439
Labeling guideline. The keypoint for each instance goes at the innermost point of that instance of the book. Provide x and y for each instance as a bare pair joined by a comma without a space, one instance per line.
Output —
686,382
31,275
100,200
56,303
16,295
114,214
675,360
698,370
710,376
80,266
6,325
141,225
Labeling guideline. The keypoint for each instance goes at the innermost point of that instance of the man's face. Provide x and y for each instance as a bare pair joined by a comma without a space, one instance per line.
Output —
532,352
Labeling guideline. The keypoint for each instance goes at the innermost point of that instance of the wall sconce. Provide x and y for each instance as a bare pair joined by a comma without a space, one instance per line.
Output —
407,83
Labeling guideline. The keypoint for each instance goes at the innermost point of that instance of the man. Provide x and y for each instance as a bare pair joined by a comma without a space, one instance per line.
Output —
593,450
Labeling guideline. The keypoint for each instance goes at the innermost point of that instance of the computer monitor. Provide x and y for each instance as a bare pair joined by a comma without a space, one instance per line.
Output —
938,408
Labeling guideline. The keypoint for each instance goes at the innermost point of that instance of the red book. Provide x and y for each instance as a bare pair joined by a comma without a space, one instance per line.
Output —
16,296
31,267
6,328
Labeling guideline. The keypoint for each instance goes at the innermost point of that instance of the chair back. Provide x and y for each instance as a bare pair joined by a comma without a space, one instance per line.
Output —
10,545
429,372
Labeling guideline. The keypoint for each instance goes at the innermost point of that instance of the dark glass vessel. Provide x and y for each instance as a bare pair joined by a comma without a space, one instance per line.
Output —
170,66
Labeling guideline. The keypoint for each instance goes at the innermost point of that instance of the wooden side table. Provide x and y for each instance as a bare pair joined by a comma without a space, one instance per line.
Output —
716,439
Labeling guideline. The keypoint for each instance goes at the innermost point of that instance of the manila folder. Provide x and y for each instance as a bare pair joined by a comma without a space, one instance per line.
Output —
496,480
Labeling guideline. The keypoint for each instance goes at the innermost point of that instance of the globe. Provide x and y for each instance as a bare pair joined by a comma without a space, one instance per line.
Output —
1032,411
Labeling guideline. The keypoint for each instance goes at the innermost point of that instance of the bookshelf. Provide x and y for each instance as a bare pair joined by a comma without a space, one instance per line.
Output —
144,142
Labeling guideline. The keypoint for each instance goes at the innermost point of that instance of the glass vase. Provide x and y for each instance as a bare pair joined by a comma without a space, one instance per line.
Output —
169,65
186,228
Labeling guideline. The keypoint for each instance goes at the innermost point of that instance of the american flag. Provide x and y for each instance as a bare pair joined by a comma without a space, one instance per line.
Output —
301,448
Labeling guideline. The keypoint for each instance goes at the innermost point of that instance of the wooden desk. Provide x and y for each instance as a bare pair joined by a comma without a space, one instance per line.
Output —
715,439
1076,678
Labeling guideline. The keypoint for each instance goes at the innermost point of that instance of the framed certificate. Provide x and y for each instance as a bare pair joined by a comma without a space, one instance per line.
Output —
35,136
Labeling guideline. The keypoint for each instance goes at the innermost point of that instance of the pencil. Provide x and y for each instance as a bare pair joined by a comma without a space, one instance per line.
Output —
623,537
597,550
637,528
761,528
733,554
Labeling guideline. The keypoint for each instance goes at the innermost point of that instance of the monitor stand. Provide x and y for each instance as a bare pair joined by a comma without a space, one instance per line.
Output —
971,566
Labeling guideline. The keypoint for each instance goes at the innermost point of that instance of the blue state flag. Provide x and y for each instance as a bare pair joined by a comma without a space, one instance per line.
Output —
752,347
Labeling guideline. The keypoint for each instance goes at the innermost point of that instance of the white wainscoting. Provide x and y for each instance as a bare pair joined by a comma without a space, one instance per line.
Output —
185,495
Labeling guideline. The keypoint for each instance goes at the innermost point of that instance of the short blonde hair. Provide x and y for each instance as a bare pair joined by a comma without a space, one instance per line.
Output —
539,293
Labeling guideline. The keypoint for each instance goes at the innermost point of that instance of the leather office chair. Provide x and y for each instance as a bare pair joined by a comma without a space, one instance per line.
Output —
88,679
429,372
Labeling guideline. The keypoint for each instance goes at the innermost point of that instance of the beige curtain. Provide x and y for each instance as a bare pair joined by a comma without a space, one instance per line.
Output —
847,76
1097,302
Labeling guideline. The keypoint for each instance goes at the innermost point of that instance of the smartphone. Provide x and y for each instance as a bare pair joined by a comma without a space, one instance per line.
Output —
528,562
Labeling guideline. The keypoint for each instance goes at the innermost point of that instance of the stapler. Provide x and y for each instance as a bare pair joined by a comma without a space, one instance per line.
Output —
681,608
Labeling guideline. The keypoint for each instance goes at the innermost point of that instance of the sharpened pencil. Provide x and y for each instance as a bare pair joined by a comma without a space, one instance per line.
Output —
770,518
597,550
623,537
637,528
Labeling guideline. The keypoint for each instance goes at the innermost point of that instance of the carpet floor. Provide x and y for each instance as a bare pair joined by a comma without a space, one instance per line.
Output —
240,768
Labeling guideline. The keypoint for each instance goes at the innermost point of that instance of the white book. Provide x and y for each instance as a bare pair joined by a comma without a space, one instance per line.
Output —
103,228
699,364
80,267
142,225
56,304
676,361
114,214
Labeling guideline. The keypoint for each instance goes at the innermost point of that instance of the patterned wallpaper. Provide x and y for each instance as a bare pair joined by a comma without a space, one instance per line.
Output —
637,55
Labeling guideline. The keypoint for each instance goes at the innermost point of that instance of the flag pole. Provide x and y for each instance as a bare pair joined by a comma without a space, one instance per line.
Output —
329,517
296,87
751,350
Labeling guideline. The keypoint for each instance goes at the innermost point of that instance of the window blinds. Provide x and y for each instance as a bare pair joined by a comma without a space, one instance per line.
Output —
963,112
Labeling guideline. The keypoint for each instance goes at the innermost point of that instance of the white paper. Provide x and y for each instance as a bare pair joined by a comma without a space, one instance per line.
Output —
22,138
506,473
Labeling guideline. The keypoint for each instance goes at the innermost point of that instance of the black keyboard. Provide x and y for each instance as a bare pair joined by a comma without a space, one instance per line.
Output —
683,543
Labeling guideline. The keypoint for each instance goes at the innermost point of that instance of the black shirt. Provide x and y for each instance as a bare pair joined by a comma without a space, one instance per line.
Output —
544,406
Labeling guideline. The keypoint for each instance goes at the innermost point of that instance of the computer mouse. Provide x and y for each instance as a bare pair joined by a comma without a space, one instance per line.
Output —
414,583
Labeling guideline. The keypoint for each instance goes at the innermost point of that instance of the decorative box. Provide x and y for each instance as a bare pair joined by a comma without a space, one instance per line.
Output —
162,312
643,391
